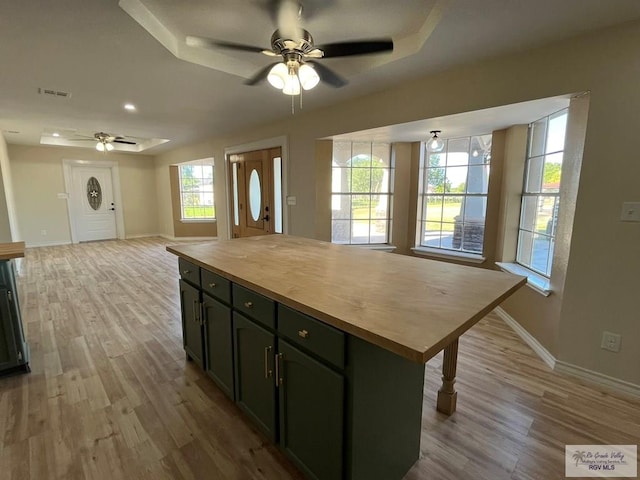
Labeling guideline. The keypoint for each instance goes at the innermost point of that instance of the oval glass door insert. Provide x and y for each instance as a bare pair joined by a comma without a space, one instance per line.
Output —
94,193
255,195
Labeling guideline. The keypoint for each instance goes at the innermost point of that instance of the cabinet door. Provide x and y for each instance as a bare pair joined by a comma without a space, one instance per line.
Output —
218,342
311,413
254,349
191,325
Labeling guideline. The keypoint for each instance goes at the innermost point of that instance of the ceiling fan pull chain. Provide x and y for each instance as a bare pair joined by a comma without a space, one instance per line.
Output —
293,105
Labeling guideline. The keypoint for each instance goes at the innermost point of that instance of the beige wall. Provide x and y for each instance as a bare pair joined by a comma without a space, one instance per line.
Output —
8,222
37,177
5,227
403,187
604,262
163,184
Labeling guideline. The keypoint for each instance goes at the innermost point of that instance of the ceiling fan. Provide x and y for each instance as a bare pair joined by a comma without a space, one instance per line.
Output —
104,141
298,68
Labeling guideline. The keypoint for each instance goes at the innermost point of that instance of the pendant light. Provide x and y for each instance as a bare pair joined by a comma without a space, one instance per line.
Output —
435,144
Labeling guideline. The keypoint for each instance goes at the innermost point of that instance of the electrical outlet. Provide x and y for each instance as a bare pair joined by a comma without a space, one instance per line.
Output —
630,212
611,341
43,233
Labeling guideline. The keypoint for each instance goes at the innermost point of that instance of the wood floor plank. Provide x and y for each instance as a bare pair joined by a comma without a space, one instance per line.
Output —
111,396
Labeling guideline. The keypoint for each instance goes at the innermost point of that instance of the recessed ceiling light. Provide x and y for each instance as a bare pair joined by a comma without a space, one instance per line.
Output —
129,106
55,134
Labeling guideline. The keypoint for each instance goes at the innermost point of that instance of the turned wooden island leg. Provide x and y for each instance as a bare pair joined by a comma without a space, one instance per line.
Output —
447,394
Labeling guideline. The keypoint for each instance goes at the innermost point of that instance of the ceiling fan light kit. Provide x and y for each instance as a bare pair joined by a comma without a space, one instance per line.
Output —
104,146
104,141
290,77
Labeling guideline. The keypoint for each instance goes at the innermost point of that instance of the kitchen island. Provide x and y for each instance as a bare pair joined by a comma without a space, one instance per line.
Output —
323,346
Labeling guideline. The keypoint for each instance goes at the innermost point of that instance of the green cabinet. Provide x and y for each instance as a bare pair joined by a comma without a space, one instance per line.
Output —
8,352
311,413
14,351
255,387
218,342
192,331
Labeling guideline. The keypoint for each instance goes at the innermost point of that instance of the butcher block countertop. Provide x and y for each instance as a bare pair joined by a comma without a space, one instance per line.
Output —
11,250
411,306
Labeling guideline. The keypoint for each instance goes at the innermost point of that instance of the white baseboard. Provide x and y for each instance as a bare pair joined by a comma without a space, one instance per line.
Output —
142,235
47,244
598,378
186,239
560,366
529,339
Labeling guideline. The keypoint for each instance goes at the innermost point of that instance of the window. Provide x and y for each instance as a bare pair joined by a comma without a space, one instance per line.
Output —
541,193
361,193
453,195
196,190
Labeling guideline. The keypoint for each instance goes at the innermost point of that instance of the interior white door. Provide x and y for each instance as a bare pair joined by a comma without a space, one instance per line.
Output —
93,207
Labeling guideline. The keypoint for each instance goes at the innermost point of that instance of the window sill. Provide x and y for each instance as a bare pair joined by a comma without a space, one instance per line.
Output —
198,220
373,246
535,281
448,254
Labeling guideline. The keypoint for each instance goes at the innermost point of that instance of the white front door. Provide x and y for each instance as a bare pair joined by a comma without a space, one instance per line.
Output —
93,207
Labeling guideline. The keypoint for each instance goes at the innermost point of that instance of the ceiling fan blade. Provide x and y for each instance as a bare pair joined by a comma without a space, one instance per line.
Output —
260,75
124,141
327,75
203,42
315,53
365,47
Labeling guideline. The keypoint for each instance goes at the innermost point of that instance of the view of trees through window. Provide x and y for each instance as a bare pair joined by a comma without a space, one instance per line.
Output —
360,201
541,193
454,187
196,191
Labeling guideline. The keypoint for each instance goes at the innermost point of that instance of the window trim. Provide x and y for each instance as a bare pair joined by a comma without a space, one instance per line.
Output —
205,162
539,280
449,254
445,252
535,281
390,170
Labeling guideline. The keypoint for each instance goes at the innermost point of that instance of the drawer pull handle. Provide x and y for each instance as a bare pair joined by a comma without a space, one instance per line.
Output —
267,372
212,285
248,304
186,272
303,333
279,375
196,312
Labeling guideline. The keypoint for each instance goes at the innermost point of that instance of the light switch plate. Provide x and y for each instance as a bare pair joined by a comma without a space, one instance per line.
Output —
291,200
630,212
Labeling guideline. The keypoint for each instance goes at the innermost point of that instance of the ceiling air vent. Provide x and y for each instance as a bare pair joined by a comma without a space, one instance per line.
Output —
53,93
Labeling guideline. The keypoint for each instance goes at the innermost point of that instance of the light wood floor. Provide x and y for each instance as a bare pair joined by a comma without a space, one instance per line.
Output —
110,395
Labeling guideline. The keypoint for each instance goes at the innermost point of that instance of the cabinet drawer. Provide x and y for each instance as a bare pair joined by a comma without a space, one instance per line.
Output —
216,285
324,340
254,305
189,271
